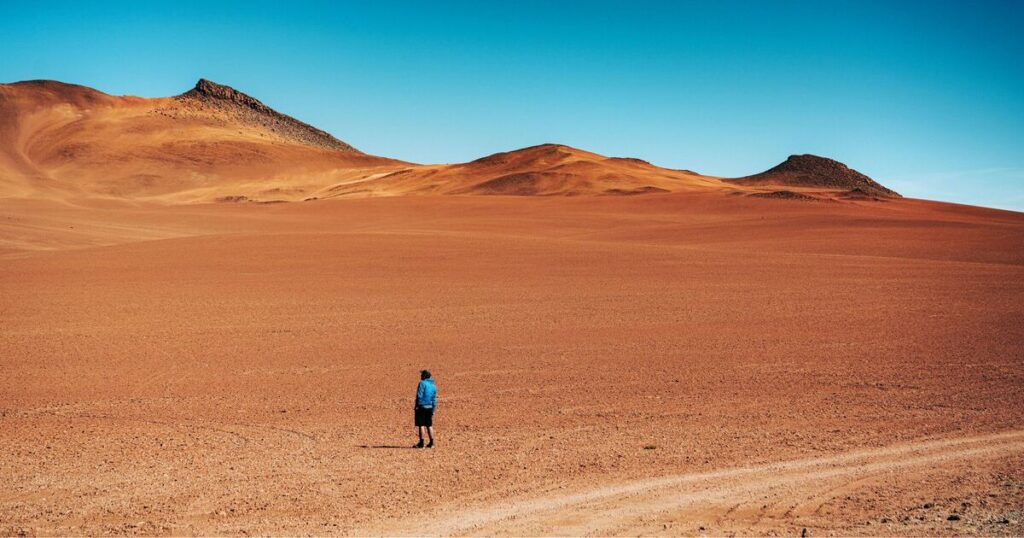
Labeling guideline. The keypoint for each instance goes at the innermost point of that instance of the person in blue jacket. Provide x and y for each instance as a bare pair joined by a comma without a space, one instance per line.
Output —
426,403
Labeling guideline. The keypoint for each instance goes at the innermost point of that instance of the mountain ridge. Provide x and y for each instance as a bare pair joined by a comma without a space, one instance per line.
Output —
214,142
252,110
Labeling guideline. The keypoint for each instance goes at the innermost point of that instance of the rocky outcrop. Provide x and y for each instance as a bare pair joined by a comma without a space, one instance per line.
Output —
241,107
820,172
784,195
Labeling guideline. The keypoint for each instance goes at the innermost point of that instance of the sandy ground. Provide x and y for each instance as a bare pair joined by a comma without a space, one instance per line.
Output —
663,364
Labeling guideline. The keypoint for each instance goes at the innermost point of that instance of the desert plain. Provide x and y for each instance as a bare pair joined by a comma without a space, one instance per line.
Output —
681,361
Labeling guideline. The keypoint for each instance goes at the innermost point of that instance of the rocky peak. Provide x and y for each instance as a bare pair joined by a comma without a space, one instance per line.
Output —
212,90
808,162
209,94
814,171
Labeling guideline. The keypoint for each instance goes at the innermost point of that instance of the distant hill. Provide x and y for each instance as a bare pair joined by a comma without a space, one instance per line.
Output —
215,143
61,139
544,170
816,172
209,96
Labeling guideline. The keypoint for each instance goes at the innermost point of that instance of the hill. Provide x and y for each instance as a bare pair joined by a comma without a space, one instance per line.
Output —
63,140
543,170
820,173
215,143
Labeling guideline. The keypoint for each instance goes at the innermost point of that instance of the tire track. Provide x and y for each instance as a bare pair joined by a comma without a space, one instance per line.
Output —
633,507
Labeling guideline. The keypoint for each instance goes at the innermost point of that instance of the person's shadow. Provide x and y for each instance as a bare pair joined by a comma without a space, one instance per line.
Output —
387,446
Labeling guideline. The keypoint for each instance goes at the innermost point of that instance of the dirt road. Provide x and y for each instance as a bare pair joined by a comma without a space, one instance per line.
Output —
749,499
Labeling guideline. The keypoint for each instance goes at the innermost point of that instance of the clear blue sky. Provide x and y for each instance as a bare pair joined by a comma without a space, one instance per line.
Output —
927,97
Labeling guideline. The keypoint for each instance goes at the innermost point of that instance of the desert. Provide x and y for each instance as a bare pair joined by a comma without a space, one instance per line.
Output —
213,315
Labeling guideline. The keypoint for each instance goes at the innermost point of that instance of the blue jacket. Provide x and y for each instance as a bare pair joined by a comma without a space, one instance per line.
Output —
426,394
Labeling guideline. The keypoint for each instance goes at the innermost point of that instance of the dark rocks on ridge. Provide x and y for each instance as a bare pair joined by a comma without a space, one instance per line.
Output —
251,110
814,171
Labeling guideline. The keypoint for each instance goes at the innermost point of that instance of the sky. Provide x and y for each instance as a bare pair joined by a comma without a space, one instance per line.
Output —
925,97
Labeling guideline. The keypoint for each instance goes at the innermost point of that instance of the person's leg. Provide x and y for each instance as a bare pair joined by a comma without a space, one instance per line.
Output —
418,420
430,429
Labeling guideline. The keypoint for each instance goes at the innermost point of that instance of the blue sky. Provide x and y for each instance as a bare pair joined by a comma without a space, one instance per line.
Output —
926,97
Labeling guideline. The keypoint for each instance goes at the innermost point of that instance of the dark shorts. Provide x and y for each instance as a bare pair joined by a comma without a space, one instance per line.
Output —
424,416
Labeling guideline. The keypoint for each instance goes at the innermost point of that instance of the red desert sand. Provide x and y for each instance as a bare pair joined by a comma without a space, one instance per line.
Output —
619,348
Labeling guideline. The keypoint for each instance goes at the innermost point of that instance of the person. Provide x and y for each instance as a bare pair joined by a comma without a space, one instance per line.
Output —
426,403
